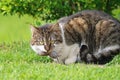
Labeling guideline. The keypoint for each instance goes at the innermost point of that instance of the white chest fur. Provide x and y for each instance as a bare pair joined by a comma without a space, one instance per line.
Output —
67,54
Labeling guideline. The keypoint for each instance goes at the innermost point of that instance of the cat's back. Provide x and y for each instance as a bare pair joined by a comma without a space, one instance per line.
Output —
94,15
97,27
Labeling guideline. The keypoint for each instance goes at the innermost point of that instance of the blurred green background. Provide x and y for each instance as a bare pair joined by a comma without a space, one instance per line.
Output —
19,14
14,28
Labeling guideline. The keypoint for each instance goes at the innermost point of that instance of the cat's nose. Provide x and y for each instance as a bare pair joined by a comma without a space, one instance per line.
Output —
46,48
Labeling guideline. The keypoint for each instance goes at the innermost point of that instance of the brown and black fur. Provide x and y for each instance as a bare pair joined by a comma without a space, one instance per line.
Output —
97,29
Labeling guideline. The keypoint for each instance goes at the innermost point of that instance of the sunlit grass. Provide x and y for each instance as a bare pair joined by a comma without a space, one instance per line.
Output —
19,62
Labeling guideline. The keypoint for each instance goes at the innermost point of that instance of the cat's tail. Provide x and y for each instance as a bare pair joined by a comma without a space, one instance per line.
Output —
102,56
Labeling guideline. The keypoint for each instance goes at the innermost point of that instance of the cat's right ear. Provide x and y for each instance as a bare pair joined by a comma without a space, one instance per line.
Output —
33,29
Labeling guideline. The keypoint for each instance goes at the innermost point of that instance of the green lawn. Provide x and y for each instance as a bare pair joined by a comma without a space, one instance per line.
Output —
19,62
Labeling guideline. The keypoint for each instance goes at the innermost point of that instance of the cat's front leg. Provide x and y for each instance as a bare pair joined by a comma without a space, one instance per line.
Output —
71,60
68,60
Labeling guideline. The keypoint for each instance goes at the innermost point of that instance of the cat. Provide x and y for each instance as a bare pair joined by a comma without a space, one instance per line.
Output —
88,36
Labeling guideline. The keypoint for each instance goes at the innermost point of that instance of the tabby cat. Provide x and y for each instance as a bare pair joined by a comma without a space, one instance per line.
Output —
88,36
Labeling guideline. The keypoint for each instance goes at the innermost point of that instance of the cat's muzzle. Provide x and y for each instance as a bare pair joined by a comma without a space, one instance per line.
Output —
53,55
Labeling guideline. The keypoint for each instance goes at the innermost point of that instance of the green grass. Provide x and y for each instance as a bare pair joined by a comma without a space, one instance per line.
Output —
19,62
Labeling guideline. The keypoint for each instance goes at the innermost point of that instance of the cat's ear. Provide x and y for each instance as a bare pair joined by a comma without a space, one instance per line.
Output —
33,28
55,28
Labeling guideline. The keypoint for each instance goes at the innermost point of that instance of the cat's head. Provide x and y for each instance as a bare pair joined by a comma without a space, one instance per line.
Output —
45,38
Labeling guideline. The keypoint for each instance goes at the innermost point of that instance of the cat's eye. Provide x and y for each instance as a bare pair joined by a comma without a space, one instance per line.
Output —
41,43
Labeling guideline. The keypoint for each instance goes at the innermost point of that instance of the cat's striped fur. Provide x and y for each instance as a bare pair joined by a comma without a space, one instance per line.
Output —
90,36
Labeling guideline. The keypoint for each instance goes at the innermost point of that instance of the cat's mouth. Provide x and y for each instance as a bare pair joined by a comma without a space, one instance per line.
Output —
52,54
44,54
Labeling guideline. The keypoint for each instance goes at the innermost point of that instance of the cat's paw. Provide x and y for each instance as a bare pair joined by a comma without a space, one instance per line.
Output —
89,58
71,60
